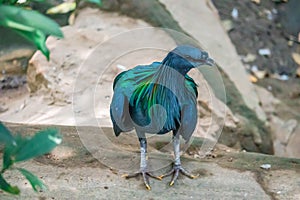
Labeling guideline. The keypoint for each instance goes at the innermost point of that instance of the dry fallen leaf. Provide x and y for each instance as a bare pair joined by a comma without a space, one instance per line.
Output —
298,71
253,79
249,58
296,57
71,19
62,8
260,74
256,1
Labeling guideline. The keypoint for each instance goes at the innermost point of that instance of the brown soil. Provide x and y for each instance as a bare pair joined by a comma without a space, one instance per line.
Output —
252,30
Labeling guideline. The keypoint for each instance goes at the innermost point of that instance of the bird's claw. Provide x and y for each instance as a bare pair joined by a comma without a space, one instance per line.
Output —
175,171
145,176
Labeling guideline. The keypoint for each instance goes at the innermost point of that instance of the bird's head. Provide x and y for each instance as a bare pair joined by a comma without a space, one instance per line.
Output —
183,58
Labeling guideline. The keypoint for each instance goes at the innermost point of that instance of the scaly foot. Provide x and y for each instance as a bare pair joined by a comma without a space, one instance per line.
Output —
145,174
175,171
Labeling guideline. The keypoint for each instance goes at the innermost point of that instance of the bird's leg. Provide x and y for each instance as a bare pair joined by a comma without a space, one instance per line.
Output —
177,164
143,165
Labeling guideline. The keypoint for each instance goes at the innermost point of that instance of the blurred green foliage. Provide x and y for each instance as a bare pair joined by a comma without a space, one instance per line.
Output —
32,25
18,148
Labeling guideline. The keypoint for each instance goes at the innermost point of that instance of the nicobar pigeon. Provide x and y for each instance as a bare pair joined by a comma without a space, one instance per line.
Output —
156,99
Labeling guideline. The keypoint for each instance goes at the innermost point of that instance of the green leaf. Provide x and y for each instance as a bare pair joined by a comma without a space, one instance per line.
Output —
30,24
41,143
5,135
9,2
11,15
35,1
10,150
98,2
7,187
7,159
35,182
38,38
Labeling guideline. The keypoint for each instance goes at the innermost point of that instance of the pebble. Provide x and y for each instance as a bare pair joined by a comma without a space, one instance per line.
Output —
264,52
265,166
249,58
269,87
284,77
228,25
269,15
254,68
235,13
260,74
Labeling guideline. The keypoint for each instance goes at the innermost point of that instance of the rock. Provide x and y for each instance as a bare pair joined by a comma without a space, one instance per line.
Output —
227,175
240,95
260,74
282,77
278,189
228,25
265,166
13,81
292,147
214,115
77,76
279,148
72,76
283,130
52,83
235,13
264,52
284,133
184,13
249,58
267,100
14,62
251,138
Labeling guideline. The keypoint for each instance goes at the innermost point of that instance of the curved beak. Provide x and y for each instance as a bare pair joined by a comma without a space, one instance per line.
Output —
210,62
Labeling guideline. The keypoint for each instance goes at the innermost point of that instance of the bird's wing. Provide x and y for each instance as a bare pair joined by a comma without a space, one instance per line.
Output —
189,110
124,86
191,85
119,76
119,113
128,81
188,120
